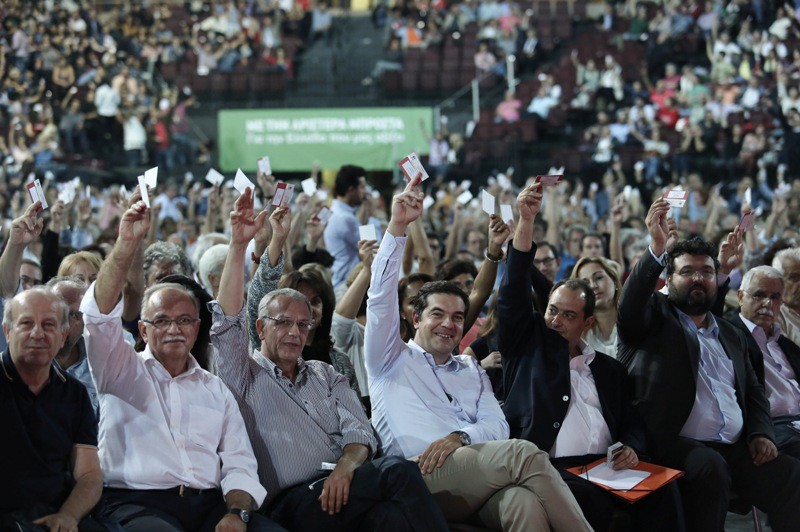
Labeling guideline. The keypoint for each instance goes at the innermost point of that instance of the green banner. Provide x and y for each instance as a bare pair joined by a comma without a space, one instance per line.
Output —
295,139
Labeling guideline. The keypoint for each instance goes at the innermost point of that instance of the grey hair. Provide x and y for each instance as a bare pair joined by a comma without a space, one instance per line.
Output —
202,244
790,253
212,262
152,290
291,293
63,309
166,252
767,271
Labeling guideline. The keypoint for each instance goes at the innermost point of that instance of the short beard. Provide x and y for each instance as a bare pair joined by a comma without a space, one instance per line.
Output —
689,304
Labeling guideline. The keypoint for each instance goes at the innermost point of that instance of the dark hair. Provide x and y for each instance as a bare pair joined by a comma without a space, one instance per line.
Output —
579,285
692,246
450,269
438,287
320,348
593,235
546,244
406,330
347,177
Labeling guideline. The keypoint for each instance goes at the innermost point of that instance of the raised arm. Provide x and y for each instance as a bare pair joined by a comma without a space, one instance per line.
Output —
382,342
269,271
484,282
453,233
351,301
24,230
421,247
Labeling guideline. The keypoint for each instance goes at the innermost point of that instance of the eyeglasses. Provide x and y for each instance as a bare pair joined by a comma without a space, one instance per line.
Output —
760,297
287,323
75,315
705,275
544,262
165,323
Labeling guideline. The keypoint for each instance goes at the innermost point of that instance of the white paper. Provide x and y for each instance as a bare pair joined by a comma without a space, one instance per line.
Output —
151,177
464,197
367,232
214,177
428,202
322,194
188,177
465,184
123,192
143,189
264,166
487,202
507,213
624,479
503,181
748,196
309,186
241,183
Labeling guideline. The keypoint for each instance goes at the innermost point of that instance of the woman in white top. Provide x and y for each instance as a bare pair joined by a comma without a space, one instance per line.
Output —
601,274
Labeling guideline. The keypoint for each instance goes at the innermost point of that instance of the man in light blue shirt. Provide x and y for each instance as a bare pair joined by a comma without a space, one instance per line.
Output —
439,409
341,234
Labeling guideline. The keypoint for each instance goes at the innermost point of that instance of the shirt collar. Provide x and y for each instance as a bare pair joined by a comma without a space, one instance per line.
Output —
339,204
273,368
450,364
11,374
712,329
776,329
191,366
581,362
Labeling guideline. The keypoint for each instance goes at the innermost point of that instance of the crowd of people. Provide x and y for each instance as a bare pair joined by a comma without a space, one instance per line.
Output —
183,352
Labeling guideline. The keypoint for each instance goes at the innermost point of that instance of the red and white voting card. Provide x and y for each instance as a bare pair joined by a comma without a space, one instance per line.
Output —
411,166
676,197
748,221
36,193
549,180
283,194
323,215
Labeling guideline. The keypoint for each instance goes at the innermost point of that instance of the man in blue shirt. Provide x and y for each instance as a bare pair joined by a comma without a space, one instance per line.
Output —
341,234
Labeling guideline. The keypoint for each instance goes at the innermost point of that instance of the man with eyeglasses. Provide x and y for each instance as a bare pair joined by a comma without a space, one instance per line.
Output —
704,409
173,444
777,358
313,441
787,262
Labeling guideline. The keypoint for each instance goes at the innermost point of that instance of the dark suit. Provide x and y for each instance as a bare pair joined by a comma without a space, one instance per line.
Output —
537,381
786,438
663,360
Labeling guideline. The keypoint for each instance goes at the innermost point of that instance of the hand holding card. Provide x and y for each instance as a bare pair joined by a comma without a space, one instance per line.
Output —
412,166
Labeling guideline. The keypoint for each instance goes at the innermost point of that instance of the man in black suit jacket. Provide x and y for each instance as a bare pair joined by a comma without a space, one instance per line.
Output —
703,406
775,358
562,395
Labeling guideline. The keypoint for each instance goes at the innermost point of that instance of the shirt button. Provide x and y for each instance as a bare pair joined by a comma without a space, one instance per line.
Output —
556,425
565,398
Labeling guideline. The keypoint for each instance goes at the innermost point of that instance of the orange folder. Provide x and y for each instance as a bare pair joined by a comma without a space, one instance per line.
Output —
659,476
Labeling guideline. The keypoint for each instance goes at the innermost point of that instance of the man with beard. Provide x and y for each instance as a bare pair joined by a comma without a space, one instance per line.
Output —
703,406
777,363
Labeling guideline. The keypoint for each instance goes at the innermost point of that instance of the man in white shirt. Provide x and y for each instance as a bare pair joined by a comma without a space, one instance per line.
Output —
173,444
440,410
778,366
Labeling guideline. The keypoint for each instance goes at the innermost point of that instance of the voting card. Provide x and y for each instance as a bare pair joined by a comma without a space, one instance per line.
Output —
36,193
214,177
411,166
367,232
283,194
242,183
143,190
464,197
428,202
549,180
151,177
676,197
488,203
264,166
507,213
309,186
748,221
323,215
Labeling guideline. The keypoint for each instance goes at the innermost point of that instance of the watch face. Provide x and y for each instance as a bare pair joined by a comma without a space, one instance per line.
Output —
245,515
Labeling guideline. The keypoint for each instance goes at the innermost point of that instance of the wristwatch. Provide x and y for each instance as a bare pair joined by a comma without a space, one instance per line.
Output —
244,515
463,436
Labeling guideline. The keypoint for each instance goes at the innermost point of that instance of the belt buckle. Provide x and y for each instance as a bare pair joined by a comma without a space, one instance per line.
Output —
181,489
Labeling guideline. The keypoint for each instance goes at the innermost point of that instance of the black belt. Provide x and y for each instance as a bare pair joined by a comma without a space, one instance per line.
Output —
183,491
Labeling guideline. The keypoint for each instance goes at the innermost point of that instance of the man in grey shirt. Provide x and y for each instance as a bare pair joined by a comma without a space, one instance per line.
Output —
288,402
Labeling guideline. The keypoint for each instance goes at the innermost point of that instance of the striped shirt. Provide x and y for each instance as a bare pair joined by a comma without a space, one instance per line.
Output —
293,427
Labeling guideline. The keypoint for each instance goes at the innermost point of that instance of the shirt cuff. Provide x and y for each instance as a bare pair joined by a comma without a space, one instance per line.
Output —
362,437
221,321
659,259
238,481
721,278
90,309
473,433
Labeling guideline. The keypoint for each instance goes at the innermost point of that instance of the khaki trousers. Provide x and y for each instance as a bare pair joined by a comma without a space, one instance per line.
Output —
507,485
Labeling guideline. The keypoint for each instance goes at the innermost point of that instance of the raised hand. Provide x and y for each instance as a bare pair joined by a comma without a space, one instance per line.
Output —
135,223
657,226
244,222
731,252
57,216
281,222
366,251
498,234
27,227
314,230
406,207
529,202
672,229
